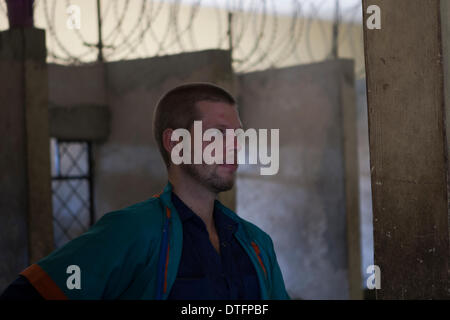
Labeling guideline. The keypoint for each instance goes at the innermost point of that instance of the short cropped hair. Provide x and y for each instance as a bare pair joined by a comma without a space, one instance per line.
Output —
177,109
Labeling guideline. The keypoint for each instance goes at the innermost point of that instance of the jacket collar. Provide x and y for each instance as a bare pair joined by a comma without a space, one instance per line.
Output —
166,197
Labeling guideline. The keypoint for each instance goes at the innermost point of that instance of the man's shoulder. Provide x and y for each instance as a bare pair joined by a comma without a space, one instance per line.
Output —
145,216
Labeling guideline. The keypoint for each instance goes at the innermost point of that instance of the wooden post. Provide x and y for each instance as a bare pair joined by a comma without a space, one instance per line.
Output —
408,148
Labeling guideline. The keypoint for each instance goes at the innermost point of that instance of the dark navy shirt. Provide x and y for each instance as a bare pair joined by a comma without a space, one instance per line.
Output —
21,289
203,273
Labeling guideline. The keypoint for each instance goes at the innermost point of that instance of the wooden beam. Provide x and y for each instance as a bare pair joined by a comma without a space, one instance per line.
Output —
408,152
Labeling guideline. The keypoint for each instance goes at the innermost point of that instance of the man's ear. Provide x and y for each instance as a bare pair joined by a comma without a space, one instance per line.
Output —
168,144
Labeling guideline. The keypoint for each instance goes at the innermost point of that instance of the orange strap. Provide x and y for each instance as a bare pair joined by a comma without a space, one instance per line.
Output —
258,254
42,282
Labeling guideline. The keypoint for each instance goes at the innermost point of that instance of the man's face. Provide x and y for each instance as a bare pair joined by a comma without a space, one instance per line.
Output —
221,116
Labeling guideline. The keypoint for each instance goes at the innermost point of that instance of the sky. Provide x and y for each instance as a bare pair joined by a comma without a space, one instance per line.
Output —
324,9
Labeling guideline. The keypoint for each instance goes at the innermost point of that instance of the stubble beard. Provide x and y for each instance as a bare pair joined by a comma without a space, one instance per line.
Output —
209,178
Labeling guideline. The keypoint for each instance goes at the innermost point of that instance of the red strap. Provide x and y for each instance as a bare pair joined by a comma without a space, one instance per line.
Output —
167,266
258,254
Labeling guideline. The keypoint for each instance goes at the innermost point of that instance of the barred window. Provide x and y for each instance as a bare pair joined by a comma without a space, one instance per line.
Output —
72,189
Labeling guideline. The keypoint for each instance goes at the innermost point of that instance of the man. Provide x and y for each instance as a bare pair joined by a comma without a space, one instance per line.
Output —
181,244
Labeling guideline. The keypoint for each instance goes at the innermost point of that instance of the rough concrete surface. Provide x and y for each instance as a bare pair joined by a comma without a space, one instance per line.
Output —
302,207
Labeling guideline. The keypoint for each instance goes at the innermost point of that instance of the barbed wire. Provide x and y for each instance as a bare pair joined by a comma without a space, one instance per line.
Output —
261,33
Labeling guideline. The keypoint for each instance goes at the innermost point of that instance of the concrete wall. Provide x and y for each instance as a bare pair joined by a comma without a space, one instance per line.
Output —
78,109
303,207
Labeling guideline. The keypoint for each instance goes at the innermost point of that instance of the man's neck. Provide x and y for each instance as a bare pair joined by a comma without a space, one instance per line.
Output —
197,197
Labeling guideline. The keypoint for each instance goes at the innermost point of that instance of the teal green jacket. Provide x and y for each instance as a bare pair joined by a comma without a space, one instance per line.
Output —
134,253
